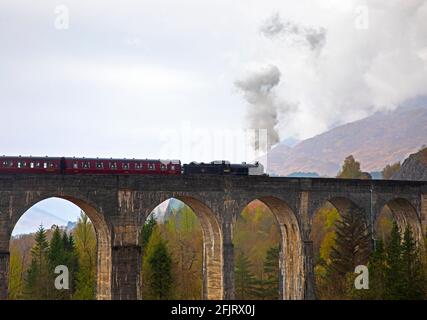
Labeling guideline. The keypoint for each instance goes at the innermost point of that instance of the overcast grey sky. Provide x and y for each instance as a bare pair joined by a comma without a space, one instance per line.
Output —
126,75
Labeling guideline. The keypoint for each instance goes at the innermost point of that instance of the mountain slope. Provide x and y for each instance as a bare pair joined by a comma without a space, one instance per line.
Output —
375,141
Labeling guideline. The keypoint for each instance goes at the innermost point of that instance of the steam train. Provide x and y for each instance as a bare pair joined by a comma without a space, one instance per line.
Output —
63,165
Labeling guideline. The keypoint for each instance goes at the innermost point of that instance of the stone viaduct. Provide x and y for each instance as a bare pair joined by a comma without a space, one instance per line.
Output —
119,205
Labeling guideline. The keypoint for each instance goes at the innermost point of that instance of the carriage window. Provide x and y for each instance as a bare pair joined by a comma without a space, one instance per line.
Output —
151,166
45,165
99,165
113,165
20,164
51,165
38,164
126,166
163,167
138,166
86,165
7,164
32,165
75,165
172,167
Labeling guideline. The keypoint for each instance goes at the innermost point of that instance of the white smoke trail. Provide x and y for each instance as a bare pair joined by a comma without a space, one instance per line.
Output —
257,88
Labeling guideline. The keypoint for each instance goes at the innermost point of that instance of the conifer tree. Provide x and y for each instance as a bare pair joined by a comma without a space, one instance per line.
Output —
394,274
56,253
377,272
245,281
161,272
269,285
56,257
71,261
38,280
412,268
352,248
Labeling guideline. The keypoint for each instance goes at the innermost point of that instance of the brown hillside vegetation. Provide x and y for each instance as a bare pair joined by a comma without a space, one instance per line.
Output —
376,141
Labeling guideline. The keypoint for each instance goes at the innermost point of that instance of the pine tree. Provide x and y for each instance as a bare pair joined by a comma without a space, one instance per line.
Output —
56,253
352,248
38,280
245,281
269,285
394,274
71,261
377,272
161,276
412,267
56,257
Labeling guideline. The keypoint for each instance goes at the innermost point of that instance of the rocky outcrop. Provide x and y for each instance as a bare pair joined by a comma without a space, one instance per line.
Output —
414,167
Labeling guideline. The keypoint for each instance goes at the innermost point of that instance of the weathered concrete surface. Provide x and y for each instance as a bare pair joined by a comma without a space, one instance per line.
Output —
119,205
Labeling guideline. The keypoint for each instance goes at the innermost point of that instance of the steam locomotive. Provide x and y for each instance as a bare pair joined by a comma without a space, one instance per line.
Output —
63,165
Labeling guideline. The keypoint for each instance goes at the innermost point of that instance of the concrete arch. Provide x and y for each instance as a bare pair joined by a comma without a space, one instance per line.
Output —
212,245
291,261
103,237
405,214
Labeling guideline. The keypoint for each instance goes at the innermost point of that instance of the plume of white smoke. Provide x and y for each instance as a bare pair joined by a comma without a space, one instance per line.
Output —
275,27
257,87
362,68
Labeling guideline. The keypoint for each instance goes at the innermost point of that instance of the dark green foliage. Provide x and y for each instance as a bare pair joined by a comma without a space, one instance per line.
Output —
352,248
268,287
412,267
56,256
394,275
71,261
146,231
397,272
37,280
45,258
245,281
161,272
377,272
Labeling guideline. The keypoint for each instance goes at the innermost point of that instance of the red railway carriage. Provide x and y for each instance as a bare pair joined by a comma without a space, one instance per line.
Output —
121,166
30,164
88,165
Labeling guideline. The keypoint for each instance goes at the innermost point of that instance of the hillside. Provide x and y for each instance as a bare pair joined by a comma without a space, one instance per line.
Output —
375,141
414,167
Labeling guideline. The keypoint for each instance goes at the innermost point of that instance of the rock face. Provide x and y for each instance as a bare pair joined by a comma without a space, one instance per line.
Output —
381,139
414,167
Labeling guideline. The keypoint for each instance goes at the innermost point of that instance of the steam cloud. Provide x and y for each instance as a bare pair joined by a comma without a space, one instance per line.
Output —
276,27
339,72
262,112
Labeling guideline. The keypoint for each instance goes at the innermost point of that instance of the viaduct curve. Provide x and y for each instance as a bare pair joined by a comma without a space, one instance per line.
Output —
119,205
